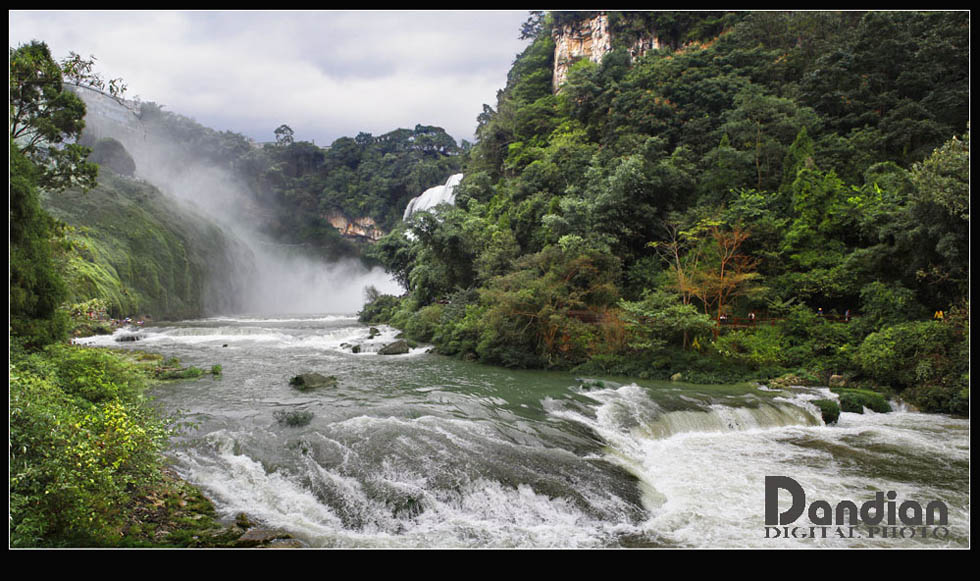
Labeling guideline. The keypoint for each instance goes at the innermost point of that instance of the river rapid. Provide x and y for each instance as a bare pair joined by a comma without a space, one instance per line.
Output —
424,451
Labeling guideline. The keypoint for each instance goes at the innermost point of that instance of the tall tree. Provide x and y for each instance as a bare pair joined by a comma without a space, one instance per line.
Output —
46,119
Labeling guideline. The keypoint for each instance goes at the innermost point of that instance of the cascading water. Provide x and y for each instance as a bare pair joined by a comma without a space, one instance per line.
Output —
270,277
419,450
432,197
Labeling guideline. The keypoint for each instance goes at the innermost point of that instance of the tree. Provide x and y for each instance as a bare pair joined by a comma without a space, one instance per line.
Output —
36,289
729,273
284,135
46,119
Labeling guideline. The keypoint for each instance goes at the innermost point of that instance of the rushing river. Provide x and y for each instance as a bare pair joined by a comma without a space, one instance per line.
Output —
421,450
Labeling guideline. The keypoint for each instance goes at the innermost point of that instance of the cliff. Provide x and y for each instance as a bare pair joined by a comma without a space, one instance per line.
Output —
363,228
591,38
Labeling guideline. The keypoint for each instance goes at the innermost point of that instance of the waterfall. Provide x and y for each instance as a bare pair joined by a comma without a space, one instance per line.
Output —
432,197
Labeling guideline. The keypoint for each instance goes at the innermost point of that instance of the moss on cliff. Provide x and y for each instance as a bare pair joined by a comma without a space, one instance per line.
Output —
142,252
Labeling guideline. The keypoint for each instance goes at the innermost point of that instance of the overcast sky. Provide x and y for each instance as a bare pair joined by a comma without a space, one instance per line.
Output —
326,74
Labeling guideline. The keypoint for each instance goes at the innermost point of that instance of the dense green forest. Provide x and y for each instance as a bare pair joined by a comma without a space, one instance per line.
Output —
808,169
295,185
803,173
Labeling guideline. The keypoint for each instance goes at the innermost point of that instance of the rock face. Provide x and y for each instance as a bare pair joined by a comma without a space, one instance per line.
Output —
364,228
589,38
397,348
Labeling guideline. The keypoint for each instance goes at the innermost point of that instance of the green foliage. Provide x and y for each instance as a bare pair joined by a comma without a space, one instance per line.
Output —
856,400
141,253
378,308
46,118
760,348
82,443
36,288
927,355
750,148
660,319
829,410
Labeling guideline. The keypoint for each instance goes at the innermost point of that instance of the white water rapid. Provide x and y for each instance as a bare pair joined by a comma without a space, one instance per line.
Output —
421,450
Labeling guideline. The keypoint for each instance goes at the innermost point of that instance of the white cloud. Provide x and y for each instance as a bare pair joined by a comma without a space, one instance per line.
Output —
325,73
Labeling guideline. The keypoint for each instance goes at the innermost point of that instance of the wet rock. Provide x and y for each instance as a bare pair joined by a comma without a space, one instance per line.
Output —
355,349
242,521
286,544
397,348
307,381
260,537
294,419
129,337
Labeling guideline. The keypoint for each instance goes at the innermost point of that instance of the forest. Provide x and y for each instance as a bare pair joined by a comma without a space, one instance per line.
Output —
769,194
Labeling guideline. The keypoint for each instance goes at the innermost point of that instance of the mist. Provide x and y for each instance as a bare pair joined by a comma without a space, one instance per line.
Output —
269,278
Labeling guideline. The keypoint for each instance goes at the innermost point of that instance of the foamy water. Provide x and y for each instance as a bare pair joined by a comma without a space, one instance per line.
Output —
419,450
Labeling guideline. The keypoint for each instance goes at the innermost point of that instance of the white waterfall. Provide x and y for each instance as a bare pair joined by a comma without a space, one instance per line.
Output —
432,197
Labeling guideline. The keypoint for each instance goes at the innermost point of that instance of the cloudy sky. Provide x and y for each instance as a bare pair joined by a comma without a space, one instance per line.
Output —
326,74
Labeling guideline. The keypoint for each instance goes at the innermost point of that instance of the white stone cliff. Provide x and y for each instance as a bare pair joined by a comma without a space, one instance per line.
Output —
590,38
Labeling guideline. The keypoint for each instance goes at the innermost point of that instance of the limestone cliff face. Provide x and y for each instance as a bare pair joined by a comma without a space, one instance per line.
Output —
364,227
589,38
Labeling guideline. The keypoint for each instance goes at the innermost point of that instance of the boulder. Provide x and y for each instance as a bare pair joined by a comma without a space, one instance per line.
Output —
397,348
128,337
836,381
258,537
676,377
307,381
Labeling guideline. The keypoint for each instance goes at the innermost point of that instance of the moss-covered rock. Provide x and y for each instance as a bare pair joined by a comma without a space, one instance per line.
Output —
313,380
293,419
856,400
142,252
399,347
829,410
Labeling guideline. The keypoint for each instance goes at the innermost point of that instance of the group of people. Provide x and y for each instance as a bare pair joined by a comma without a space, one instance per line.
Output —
723,317
847,314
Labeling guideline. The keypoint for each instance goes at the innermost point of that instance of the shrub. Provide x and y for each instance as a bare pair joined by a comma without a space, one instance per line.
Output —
81,445
758,348
829,410
907,354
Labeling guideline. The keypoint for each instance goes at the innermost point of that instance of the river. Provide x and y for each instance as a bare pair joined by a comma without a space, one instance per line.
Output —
422,450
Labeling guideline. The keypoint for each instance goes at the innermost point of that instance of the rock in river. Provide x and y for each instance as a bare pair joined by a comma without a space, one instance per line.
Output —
397,348
306,381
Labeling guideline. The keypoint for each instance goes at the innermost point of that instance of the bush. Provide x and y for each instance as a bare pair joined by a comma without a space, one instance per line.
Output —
829,410
82,444
379,309
939,399
916,353
758,348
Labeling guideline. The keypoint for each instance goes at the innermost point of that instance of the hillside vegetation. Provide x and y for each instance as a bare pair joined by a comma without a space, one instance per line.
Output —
806,168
